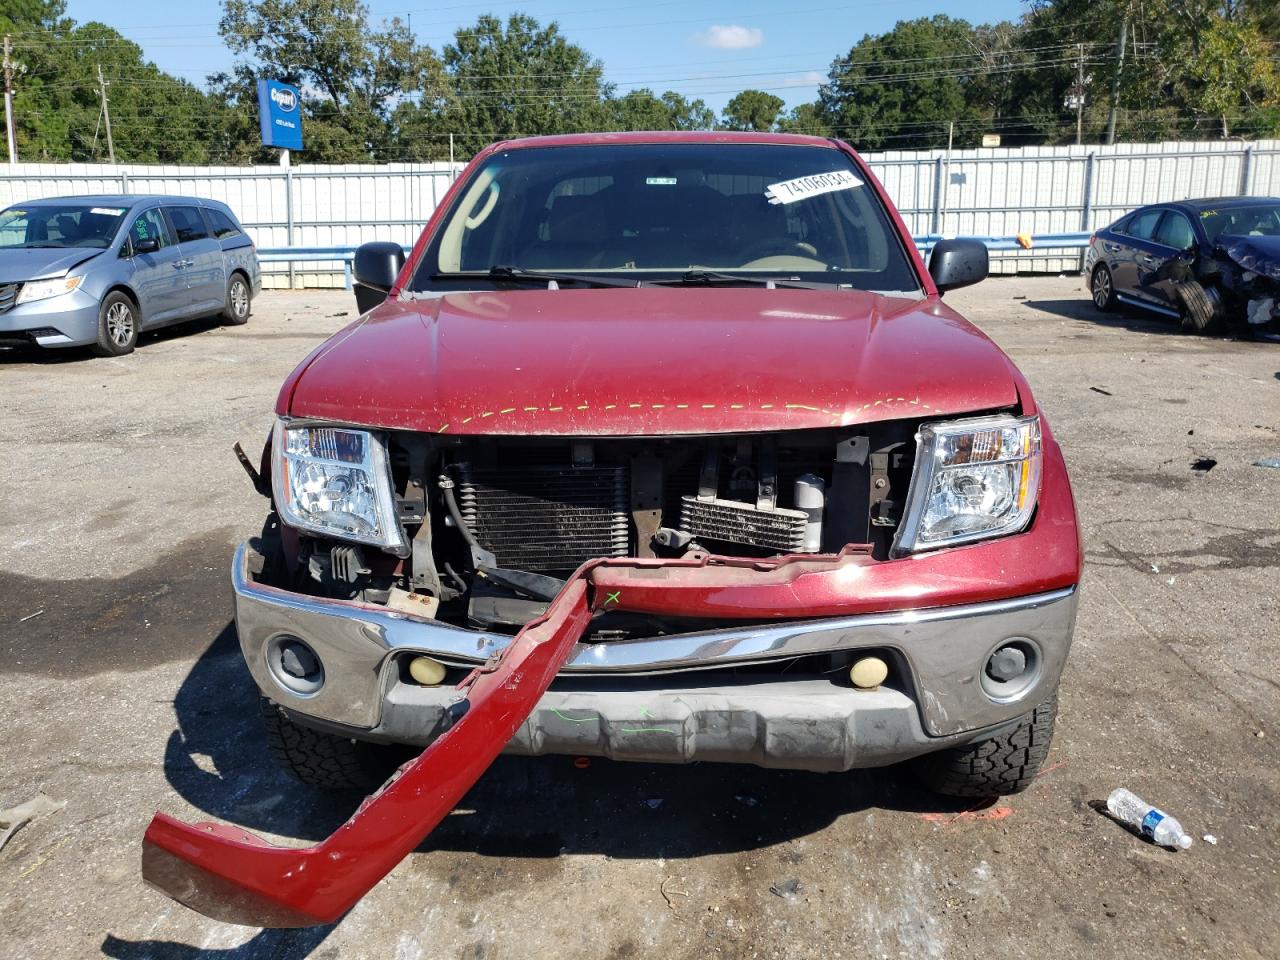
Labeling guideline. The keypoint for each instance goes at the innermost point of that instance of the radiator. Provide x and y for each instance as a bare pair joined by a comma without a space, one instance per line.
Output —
546,518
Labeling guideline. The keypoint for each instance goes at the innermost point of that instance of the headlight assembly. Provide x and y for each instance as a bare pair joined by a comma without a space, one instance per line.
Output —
336,481
973,479
44,289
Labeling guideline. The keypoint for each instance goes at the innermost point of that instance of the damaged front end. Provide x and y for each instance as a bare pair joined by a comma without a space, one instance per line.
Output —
668,599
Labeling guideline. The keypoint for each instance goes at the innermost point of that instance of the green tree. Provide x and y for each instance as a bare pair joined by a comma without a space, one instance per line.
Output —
642,110
902,89
516,79
752,110
354,74
806,118
155,117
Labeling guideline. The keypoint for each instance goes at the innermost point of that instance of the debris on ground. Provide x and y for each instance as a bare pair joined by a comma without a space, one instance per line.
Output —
30,616
1203,464
1105,393
1147,821
1210,839
1271,463
668,894
15,818
787,889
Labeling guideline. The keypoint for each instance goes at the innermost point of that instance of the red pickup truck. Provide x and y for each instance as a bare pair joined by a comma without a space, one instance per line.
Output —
657,447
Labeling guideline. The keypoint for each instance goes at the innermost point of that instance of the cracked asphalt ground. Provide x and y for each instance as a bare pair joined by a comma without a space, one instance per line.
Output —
122,691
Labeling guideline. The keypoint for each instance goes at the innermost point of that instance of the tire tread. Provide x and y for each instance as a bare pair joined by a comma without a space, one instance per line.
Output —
1000,765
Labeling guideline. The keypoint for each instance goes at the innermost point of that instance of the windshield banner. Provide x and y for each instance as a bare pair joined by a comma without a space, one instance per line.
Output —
801,188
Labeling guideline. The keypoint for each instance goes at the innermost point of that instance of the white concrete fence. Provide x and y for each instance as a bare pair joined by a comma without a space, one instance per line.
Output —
985,192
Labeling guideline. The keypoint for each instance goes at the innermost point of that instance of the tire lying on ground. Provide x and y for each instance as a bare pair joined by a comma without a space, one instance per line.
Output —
1006,763
324,760
1201,307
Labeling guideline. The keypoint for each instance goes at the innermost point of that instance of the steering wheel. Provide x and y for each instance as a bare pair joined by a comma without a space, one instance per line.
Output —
778,246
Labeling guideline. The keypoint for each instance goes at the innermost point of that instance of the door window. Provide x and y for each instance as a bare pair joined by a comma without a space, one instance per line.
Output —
149,225
187,223
1143,224
223,227
1175,231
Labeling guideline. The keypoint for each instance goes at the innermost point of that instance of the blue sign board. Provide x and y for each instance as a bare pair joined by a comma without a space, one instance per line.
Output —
280,115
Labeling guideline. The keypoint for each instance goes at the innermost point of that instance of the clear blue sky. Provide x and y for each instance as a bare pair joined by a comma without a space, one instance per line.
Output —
701,48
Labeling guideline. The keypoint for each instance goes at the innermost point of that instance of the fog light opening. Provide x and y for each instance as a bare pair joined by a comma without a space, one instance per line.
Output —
1011,669
295,666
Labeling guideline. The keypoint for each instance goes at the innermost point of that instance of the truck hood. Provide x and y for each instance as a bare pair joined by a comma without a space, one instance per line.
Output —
36,263
650,361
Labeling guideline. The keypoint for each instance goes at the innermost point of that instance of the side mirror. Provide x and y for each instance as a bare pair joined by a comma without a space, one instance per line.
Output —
145,245
958,263
376,267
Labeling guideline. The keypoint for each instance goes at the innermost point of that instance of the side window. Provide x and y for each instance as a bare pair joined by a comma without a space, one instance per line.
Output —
220,225
187,223
1143,224
149,225
1121,225
1175,231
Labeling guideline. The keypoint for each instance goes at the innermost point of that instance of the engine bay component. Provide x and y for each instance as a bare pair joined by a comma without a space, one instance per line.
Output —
546,518
732,521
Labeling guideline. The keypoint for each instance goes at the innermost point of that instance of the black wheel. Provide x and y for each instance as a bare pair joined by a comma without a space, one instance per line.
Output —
1200,308
117,326
324,760
1103,288
236,311
986,768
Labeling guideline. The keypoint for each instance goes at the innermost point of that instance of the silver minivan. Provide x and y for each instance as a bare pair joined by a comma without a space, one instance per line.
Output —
96,271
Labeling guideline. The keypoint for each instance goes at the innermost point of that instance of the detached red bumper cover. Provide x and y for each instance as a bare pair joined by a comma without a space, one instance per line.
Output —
230,874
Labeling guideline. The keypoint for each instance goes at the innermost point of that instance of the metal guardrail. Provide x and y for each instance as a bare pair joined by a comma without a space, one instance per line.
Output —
925,243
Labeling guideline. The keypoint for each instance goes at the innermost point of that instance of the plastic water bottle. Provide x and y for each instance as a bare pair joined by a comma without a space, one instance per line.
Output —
1154,824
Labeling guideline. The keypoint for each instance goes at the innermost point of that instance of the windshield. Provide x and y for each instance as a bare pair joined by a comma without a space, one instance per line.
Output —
1255,220
661,210
70,225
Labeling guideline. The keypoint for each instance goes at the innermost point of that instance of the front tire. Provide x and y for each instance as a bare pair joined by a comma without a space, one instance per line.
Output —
324,760
239,297
1006,763
117,326
1102,287
1200,312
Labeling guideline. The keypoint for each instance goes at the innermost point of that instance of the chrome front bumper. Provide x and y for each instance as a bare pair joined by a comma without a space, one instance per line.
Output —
675,698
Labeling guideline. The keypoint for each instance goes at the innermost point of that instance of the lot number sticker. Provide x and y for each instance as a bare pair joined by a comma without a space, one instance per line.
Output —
801,188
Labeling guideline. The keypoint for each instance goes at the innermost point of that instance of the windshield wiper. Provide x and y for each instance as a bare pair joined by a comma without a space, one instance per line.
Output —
708,277
542,277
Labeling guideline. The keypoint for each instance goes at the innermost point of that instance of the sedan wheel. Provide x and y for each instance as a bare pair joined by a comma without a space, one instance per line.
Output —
1103,288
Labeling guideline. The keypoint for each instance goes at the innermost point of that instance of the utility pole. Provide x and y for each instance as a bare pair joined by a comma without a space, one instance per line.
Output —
8,100
1115,81
1079,91
106,115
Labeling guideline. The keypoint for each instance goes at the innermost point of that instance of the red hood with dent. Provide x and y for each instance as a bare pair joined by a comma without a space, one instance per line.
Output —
651,361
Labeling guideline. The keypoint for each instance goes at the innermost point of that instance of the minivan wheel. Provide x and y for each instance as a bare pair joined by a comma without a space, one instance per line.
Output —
1103,288
1005,763
117,326
236,311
